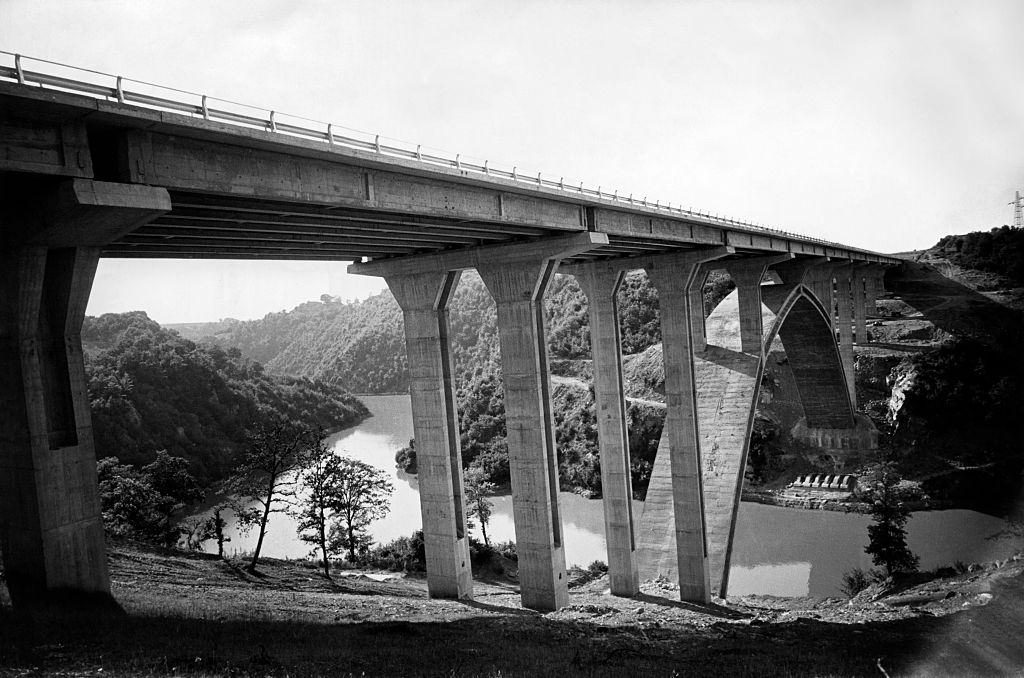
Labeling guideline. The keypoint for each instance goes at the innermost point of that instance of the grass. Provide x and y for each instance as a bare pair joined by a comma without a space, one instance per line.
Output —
191,614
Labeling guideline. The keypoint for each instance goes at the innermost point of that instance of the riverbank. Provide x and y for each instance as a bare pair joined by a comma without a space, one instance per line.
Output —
192,614
839,505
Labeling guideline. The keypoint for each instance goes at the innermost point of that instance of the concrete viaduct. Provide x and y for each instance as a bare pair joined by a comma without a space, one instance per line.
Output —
90,171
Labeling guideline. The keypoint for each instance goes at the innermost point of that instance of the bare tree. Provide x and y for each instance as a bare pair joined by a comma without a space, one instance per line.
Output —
266,474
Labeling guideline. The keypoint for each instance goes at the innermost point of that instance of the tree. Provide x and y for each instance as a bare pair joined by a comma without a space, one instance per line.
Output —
360,495
478,488
266,473
887,535
141,504
405,458
211,528
176,487
319,478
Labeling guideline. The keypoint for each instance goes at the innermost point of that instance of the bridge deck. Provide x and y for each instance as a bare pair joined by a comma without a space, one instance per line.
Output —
238,191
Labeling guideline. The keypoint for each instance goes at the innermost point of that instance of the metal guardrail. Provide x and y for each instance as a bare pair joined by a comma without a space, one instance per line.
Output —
140,93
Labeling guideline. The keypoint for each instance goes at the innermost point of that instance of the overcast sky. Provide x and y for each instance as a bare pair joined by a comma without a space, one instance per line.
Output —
882,125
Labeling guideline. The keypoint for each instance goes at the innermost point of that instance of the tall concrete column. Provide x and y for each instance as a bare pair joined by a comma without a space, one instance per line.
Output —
424,298
601,287
875,285
858,293
844,299
821,277
518,291
698,331
52,532
49,499
674,286
747,278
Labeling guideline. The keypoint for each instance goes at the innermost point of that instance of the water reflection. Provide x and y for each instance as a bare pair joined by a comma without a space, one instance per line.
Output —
778,551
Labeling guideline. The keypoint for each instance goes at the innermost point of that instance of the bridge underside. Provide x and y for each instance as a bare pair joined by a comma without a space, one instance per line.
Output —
82,178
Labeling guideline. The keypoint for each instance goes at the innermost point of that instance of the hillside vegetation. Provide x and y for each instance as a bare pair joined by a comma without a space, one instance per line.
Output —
152,390
362,345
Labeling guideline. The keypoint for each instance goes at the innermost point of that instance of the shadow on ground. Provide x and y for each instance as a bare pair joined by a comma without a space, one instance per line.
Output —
514,645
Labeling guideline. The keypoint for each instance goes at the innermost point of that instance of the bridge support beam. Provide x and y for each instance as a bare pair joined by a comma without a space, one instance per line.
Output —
601,286
518,291
516,276
52,535
874,286
858,292
844,319
424,299
675,280
51,530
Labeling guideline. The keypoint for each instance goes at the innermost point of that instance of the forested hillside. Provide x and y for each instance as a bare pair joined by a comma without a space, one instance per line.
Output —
362,345
1000,251
151,390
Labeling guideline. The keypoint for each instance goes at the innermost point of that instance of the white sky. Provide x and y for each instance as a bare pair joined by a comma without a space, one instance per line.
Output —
882,125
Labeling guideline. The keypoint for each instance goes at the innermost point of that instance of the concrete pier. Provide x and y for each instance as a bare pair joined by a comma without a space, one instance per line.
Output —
674,282
844,321
53,532
601,285
424,298
858,294
518,291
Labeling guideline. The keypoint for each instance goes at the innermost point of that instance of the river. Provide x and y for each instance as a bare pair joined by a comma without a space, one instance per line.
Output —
777,551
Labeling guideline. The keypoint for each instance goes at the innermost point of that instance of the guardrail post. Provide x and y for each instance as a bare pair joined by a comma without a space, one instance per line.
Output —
206,110
273,125
120,91
330,134
17,67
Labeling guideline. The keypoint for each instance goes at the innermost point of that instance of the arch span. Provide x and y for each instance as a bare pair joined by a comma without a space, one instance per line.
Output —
727,389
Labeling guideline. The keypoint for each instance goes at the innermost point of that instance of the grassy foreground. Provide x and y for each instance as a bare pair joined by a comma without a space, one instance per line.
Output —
191,614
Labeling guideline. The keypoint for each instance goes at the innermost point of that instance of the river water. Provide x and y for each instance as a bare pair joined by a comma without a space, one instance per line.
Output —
777,551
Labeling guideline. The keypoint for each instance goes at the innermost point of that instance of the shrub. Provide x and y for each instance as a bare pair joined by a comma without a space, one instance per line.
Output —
855,581
405,458
508,550
405,554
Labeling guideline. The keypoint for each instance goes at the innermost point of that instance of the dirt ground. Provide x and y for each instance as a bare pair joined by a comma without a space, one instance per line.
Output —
192,614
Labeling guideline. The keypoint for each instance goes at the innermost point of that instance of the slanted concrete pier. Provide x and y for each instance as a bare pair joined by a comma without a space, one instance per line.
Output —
51,530
424,298
601,285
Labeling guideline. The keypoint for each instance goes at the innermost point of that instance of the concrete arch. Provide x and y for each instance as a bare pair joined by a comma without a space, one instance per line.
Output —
727,381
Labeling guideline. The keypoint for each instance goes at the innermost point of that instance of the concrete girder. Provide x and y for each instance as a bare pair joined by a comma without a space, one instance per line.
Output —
544,249
424,299
84,213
